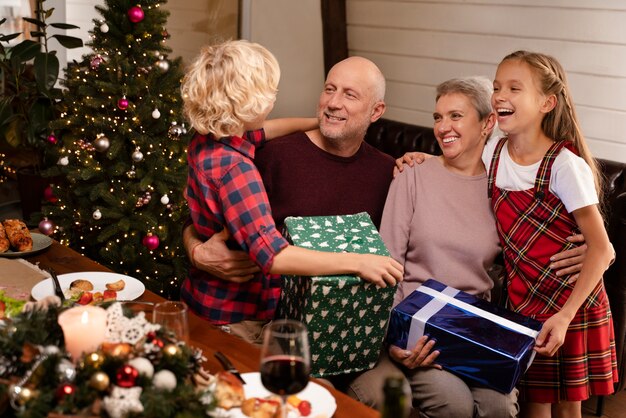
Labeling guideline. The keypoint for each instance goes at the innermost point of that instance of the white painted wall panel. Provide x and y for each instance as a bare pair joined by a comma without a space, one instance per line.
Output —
418,44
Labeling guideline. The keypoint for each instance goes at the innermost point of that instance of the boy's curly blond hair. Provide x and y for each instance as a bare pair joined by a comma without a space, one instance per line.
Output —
227,85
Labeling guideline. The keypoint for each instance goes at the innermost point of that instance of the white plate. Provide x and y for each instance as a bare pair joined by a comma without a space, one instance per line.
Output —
40,243
133,289
322,402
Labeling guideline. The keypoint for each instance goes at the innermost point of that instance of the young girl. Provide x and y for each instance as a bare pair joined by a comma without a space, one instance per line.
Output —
544,187
227,93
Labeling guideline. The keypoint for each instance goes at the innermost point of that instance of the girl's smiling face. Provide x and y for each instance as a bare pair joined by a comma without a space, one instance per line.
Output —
517,99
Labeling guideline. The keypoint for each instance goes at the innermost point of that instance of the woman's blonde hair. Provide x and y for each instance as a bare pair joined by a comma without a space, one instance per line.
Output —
561,123
227,85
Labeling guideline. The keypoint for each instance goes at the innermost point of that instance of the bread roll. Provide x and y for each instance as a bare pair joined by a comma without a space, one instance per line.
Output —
228,390
262,408
116,286
18,235
4,241
81,285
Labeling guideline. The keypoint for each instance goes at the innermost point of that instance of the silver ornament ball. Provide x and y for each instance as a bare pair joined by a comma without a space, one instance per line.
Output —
165,199
63,161
101,143
137,156
156,114
104,28
163,65
66,370
97,215
176,130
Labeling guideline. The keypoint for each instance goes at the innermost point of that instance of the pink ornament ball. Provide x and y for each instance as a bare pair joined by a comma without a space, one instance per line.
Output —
52,139
46,227
151,242
135,14
48,194
122,103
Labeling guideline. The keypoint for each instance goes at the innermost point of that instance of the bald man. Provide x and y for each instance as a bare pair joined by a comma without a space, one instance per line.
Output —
329,171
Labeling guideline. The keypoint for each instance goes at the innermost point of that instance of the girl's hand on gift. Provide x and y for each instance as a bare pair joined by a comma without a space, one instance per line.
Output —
380,270
552,334
422,354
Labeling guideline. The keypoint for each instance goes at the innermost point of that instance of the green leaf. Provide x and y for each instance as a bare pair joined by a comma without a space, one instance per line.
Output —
46,70
4,19
37,22
69,42
13,133
64,26
7,38
6,111
40,115
49,12
37,34
25,50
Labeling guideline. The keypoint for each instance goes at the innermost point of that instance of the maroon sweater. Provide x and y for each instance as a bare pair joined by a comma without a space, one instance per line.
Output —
303,180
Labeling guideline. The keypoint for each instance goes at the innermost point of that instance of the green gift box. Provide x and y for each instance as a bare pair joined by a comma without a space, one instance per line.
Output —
346,316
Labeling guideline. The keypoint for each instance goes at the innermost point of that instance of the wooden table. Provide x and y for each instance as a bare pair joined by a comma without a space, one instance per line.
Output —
202,334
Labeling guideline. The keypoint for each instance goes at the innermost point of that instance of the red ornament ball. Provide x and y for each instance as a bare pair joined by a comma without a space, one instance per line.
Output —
151,242
52,139
48,194
126,376
46,226
122,103
135,14
66,389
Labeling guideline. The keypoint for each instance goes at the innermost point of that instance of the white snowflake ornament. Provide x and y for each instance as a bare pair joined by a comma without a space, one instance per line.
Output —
121,329
123,401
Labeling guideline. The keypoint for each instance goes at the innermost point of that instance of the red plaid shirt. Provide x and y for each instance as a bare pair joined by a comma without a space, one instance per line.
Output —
224,189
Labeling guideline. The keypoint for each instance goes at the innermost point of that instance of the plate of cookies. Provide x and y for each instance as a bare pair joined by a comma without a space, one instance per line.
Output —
88,287
17,241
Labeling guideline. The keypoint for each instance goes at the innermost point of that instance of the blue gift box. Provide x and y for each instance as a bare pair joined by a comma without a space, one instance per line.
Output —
477,340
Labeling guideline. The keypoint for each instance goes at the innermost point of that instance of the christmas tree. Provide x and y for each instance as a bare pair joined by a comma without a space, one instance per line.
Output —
119,161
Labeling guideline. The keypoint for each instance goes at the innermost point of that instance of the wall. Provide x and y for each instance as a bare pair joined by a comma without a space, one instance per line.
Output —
418,44
292,30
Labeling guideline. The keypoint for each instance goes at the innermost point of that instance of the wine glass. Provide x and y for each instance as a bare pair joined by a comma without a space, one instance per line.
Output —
173,317
285,359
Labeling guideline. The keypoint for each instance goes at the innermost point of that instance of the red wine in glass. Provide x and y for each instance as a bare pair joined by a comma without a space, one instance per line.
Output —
284,375
285,359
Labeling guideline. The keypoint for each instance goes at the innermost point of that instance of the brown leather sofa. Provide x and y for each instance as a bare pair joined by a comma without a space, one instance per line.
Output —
396,138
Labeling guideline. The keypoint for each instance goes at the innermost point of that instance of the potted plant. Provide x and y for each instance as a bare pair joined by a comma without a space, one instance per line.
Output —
28,102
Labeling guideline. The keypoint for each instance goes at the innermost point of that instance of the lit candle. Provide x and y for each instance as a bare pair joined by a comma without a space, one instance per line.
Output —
84,328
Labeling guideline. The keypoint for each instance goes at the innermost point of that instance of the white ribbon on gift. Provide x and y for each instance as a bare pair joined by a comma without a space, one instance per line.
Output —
445,297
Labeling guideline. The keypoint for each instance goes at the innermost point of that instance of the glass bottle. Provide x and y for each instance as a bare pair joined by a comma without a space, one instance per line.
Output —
394,405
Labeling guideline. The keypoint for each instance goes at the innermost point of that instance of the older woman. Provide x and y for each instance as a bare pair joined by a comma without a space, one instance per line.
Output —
437,223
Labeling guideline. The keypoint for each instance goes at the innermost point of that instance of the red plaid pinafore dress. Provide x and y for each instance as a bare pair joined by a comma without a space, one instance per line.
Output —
533,225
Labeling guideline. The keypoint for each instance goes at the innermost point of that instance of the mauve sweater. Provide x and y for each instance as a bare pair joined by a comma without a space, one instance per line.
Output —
439,225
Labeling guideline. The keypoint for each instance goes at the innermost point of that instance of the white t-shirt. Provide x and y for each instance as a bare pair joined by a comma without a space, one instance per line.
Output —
571,179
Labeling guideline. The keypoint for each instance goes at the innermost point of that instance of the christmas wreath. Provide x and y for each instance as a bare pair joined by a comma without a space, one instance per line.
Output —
140,370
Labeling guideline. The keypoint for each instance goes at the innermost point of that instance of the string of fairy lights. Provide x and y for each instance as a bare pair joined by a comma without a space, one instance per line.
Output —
118,124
